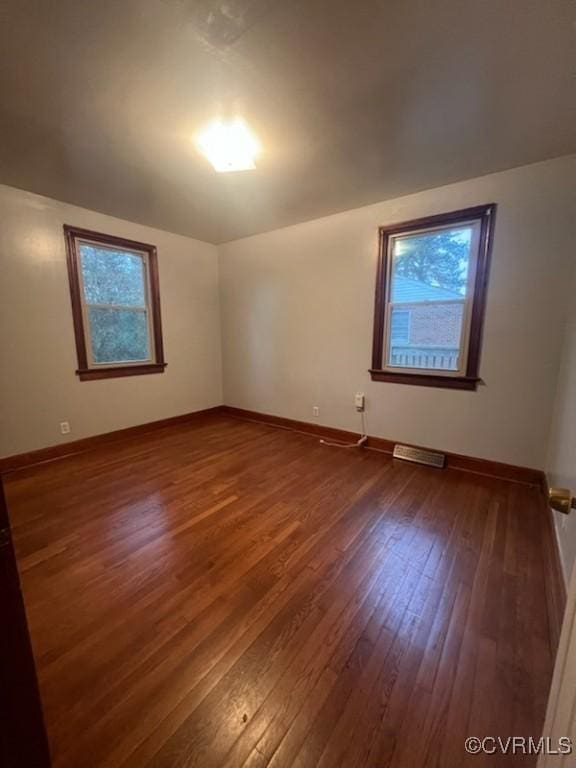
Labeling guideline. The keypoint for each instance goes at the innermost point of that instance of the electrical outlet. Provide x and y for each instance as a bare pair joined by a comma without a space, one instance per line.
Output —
359,401
315,411
65,427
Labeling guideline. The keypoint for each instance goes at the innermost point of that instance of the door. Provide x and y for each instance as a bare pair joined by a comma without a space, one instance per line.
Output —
561,714
22,735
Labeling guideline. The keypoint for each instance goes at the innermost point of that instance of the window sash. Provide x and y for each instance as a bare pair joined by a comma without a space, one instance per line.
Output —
467,301
92,364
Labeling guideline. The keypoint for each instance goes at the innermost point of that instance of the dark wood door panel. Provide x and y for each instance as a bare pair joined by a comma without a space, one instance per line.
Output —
23,742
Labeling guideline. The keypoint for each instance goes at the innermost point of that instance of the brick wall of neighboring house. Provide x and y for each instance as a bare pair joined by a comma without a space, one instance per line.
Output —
437,325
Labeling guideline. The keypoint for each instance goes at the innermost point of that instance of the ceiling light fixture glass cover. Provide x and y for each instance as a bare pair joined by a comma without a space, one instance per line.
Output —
229,146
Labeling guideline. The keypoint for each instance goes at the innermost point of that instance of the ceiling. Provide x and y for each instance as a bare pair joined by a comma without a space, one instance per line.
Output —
354,102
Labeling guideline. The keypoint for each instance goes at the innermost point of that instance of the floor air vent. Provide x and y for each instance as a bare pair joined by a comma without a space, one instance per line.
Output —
419,455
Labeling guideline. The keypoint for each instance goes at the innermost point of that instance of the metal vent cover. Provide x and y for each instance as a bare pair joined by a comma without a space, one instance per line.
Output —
419,456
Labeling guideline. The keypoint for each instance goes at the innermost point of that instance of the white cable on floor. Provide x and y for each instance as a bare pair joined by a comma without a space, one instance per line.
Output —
358,444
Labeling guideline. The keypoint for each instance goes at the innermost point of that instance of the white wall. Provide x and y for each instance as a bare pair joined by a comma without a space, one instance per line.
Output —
562,449
38,385
297,308
297,311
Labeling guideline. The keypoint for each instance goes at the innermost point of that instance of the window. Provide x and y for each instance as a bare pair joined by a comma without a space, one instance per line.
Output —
430,297
115,305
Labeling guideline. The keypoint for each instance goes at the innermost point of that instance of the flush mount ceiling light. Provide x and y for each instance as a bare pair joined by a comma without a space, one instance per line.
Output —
229,146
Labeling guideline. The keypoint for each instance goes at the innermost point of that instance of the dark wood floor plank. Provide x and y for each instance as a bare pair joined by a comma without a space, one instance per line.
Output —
230,594
390,682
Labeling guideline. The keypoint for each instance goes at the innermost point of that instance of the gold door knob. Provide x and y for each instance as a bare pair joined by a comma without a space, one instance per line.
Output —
561,500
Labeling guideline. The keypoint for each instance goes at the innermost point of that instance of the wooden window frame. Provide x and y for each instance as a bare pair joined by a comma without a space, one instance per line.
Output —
86,371
485,215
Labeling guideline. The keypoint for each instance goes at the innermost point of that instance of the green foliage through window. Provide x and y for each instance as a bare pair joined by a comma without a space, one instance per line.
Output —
115,294
439,259
112,277
118,335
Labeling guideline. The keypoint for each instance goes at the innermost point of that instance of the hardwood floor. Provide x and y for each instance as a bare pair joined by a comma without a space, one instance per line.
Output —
230,594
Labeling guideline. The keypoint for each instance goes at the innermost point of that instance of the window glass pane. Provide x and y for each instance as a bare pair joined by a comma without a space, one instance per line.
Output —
432,340
432,266
112,277
118,335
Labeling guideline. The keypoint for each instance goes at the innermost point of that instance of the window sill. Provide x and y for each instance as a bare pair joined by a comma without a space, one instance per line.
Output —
114,372
426,379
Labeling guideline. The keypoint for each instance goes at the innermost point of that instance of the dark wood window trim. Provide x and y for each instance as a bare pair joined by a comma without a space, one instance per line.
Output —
86,373
485,214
